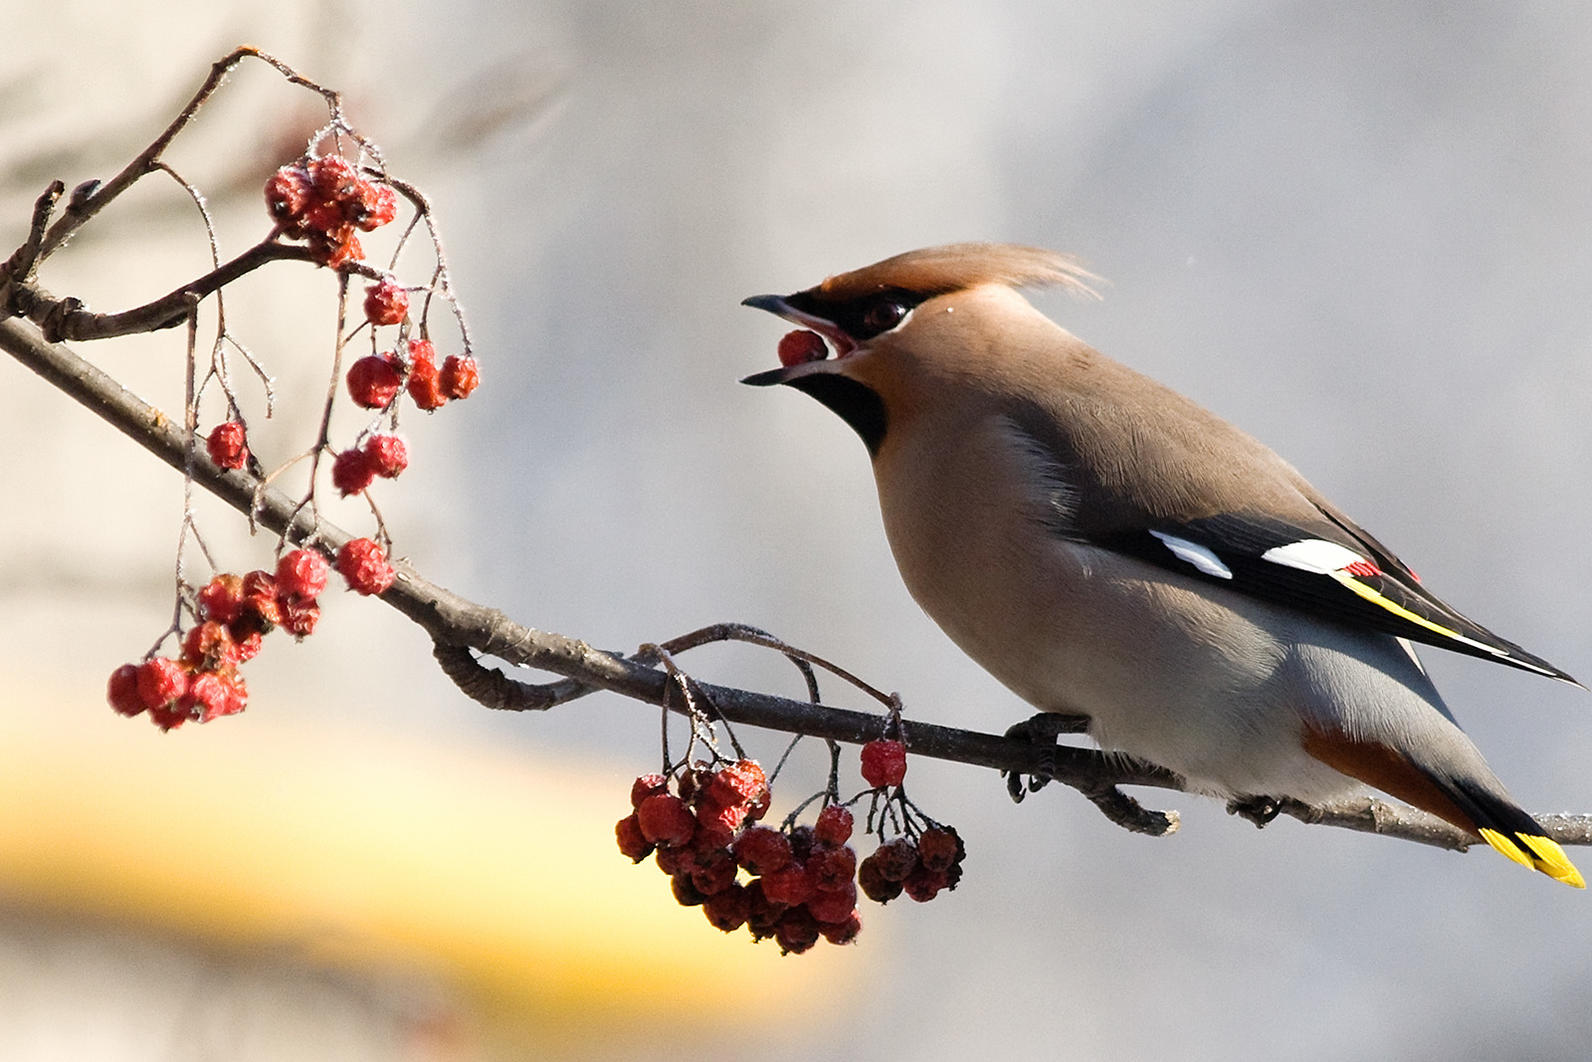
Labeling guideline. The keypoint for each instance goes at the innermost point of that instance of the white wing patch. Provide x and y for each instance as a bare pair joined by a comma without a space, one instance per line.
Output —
1314,555
1197,555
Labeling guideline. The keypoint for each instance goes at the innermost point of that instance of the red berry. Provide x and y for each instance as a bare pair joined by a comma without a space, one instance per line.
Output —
895,859
873,883
352,471
169,717
221,598
248,645
301,573
364,564
884,762
388,455
334,176
719,817
386,302
209,647
300,615
374,380
788,885
207,697
459,376
665,820
842,932
425,382
287,193
714,874
924,884
236,689
796,932
627,831
161,681
762,914
833,905
122,691
375,205
762,850
940,848
259,600
741,783
831,868
727,909
801,346
645,786
227,444
685,891
336,246
833,826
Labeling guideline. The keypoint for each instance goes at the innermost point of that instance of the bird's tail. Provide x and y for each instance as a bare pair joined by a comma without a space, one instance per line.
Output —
1510,830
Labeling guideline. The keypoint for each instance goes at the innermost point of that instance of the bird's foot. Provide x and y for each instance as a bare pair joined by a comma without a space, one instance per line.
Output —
1041,730
1257,809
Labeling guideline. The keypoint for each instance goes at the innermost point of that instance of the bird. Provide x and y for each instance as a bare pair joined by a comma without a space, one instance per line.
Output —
1108,549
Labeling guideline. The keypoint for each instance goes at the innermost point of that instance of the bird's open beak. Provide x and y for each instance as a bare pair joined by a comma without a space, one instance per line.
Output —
779,306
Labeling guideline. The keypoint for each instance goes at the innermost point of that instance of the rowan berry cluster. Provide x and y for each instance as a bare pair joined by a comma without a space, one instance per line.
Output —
793,884
325,200
234,615
375,382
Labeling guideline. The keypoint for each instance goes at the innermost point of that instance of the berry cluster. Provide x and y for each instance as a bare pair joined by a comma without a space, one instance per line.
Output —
235,614
800,882
324,200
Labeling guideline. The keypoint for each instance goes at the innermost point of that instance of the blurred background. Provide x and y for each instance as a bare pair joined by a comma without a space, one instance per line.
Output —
1358,230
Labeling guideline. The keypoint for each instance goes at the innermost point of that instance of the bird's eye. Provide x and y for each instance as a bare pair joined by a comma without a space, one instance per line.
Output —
883,316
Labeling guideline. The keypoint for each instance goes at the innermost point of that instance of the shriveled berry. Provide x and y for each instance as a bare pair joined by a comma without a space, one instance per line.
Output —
161,682
842,932
762,850
227,445
169,717
375,205
208,646
122,691
386,302
924,884
873,883
259,599
375,380
248,645
715,874
334,176
627,831
833,826
425,382
363,563
300,615
801,346
762,914
796,932
287,193
685,891
727,909
833,905
741,783
830,868
674,861
801,843
459,375
388,455
645,786
940,848
352,471
237,691
207,697
221,598
710,835
788,885
884,762
336,247
896,859
665,819
726,819
301,573
690,781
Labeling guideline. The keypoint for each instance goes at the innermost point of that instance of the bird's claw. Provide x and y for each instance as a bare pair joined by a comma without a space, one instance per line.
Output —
1041,730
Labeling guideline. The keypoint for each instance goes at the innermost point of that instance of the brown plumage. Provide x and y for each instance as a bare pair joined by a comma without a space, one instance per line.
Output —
958,266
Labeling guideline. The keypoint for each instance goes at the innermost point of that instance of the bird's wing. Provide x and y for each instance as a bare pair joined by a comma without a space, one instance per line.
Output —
1294,550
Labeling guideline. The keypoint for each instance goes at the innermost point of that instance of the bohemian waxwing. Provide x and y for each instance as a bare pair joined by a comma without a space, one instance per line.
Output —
1106,548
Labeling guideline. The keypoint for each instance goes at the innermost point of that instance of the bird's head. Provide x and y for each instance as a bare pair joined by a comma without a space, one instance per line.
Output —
918,316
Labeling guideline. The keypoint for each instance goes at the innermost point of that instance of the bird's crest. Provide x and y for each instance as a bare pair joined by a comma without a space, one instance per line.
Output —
957,266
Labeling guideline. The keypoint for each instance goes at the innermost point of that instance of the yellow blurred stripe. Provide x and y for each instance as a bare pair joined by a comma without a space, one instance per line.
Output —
497,871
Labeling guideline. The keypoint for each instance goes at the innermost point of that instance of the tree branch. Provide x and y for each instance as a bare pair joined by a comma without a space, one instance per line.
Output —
460,628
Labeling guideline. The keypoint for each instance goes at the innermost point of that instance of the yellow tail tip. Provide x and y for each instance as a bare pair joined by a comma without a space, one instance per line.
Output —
1539,854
